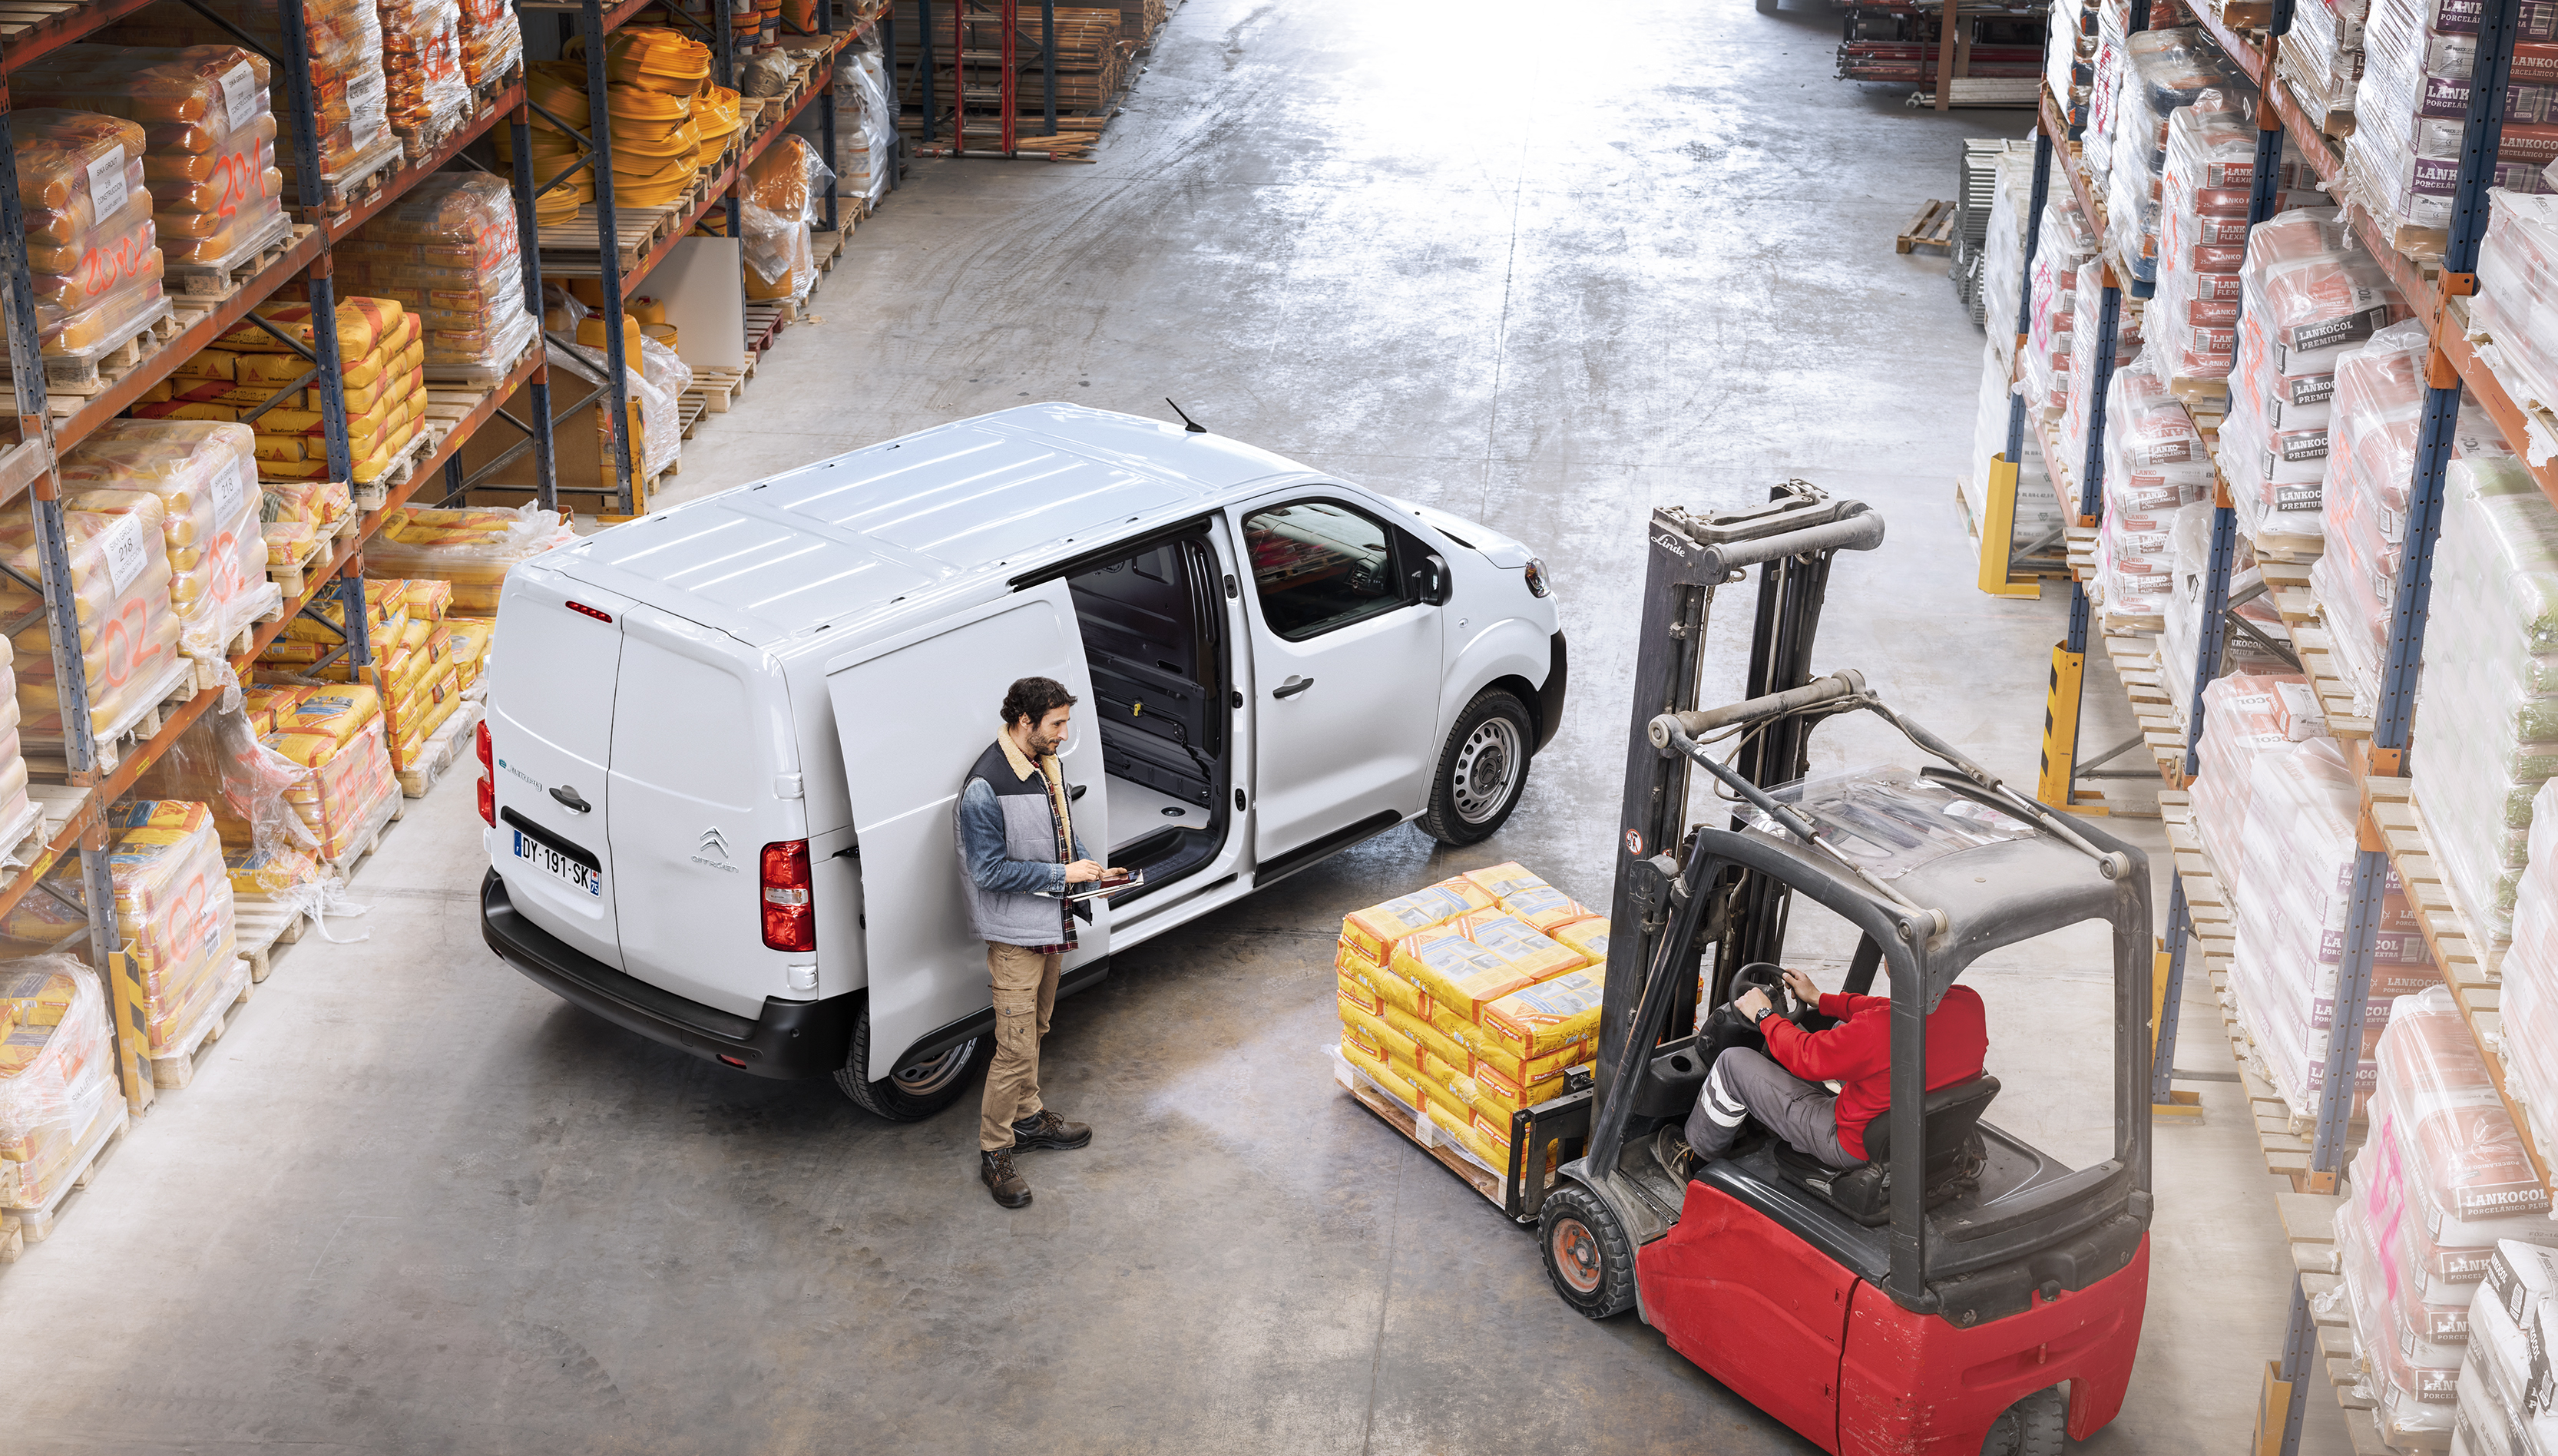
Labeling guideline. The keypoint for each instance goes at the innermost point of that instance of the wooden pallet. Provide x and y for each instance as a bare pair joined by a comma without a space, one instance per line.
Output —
45,752
344,192
176,1068
105,1132
1930,228
344,865
763,322
259,924
292,577
450,744
94,370
197,283
716,388
695,406
1400,1117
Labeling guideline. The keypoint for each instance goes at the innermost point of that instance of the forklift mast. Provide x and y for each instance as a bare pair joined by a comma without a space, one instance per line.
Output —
1791,539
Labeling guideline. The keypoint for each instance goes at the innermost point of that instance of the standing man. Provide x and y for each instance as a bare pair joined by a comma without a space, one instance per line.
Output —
1018,853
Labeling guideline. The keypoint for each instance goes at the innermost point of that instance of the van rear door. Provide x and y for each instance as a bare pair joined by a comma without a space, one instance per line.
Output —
912,713
551,684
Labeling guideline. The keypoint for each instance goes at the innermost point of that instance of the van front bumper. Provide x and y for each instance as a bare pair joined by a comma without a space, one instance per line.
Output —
791,1040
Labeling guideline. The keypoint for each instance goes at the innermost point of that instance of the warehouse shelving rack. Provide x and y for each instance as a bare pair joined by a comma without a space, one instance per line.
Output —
2393,837
594,21
97,773
1006,15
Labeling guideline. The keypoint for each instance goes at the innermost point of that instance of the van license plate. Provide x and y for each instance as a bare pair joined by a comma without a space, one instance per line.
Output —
551,862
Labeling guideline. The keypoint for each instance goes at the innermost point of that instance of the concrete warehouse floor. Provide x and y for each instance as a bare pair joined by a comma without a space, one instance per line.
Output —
1540,268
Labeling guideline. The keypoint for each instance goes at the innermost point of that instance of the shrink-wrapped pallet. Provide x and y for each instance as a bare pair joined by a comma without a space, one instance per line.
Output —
266,847
2517,304
206,474
2404,158
208,154
57,1070
2490,668
447,252
2155,467
785,191
346,80
2165,71
493,43
2207,190
93,251
471,549
2087,293
337,732
424,92
2528,1001
173,911
120,580
2323,56
2066,243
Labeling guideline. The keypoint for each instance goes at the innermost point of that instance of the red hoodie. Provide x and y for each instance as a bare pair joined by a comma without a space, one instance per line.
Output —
1857,1053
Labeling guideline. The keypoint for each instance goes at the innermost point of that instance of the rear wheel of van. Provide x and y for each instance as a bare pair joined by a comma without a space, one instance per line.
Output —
1483,768
913,1092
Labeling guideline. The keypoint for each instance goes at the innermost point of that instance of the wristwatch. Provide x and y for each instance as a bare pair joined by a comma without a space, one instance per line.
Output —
1763,1013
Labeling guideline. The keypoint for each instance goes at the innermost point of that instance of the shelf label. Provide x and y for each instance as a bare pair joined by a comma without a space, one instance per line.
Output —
121,546
240,93
106,185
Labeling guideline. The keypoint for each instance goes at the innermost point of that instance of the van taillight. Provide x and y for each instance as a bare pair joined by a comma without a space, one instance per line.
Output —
790,920
489,801
582,610
487,759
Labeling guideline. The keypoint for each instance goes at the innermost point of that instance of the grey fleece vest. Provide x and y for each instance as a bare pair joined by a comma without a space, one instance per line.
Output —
1029,832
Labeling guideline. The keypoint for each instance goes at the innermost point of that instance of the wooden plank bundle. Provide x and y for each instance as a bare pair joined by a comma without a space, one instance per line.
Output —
1092,64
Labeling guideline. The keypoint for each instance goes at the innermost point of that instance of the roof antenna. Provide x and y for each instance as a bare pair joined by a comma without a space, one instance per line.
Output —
1189,425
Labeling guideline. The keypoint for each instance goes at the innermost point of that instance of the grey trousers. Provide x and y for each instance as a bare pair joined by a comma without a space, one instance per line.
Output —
1747,1084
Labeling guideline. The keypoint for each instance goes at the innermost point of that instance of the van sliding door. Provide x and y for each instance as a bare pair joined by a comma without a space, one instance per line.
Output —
913,714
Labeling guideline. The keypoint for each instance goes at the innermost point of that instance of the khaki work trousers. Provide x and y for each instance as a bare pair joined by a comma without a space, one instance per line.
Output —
1024,994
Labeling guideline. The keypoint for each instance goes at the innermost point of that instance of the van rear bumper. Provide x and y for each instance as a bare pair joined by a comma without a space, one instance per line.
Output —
792,1039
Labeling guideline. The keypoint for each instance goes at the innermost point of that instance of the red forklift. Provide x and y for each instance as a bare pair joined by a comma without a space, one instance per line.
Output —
1959,1291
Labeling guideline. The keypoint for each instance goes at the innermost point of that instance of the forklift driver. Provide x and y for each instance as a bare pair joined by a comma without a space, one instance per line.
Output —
1782,1086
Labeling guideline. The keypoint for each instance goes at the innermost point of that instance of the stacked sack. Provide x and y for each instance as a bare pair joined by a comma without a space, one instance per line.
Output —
2206,189
413,668
2065,244
448,253
2079,397
424,92
2403,160
57,1073
2311,293
346,82
93,251
2158,80
2370,469
493,43
2492,672
2155,467
381,349
2278,817
2517,299
654,78
337,732
2069,56
1471,1000
2505,1395
120,593
2322,57
15,807
2527,1003
208,149
472,550
266,848
2442,1182
206,476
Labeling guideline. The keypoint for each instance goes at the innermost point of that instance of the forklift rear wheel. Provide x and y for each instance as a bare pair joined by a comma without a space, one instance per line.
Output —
2038,1425
1587,1253
1483,768
915,1091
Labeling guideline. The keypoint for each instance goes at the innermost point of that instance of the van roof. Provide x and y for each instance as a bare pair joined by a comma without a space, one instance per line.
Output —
872,528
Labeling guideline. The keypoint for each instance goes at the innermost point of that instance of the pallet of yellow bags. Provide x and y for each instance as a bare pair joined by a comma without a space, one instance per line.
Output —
1470,1015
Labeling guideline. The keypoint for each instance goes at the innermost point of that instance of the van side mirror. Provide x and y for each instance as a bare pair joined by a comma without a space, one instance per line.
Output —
1437,584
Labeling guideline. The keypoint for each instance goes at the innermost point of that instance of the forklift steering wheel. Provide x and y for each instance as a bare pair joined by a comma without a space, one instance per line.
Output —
1761,975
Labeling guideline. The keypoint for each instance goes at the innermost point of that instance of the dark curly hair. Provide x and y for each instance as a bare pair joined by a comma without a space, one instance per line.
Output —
1035,698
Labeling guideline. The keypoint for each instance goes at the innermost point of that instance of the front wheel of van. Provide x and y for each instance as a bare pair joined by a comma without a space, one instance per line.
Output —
915,1091
1483,768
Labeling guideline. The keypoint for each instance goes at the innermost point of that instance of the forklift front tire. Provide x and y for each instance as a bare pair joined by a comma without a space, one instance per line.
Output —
1482,771
2038,1425
1586,1253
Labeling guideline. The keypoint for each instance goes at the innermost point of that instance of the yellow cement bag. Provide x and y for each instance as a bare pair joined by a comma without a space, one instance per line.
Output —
1510,938
336,711
271,871
1587,936
1393,989
1500,1094
1375,931
1504,880
1454,973
428,601
1493,1058
310,749
1389,1041
1441,1071
1396,1085
1547,1017
1545,907
1450,1050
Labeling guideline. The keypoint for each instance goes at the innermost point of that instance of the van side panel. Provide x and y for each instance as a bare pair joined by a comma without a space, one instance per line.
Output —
696,740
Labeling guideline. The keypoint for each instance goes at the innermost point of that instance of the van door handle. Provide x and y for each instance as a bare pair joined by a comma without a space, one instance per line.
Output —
567,795
1074,795
1293,686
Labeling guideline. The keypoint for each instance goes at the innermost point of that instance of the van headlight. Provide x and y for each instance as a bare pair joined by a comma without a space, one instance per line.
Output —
1537,583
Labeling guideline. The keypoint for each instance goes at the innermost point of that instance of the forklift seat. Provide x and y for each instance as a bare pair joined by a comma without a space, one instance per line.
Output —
1955,1156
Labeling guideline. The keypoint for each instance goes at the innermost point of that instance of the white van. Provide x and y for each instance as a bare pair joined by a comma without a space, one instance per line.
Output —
753,712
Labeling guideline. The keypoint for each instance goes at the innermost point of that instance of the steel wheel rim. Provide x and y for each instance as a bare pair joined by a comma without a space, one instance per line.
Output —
1576,1255
924,1079
1487,769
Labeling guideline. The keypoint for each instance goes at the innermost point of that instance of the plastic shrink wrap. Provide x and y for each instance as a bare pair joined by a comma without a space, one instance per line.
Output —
2065,244
414,669
784,187
2155,466
2529,1002
93,251
206,476
2517,304
120,594
2404,159
56,1073
208,151
446,251
347,86
2203,233
267,849
2071,431
424,89
2166,70
337,732
493,43
2322,55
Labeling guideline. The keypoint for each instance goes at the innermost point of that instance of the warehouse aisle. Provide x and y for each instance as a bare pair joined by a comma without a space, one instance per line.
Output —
1543,276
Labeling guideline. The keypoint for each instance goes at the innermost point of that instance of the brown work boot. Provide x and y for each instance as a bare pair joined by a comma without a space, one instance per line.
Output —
1676,1158
1044,1128
1007,1184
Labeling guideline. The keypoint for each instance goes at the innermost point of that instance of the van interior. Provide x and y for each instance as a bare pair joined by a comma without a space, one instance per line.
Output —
1155,641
